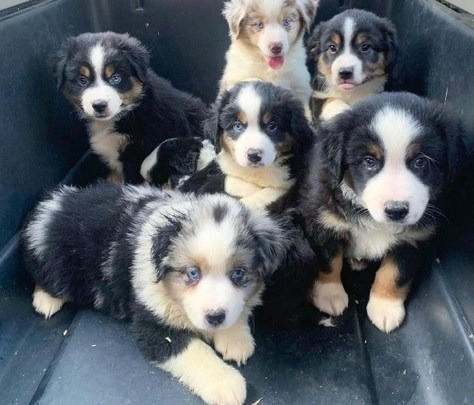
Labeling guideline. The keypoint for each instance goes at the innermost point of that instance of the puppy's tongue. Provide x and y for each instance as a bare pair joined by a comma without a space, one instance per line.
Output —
276,62
346,86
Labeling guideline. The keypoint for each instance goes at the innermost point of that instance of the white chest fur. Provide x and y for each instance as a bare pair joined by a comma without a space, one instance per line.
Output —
107,143
256,187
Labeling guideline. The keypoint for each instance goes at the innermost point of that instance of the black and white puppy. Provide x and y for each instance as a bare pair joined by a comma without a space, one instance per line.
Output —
374,193
185,270
128,108
351,55
260,133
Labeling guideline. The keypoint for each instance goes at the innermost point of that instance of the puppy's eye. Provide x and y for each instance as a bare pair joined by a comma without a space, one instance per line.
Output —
238,126
332,48
193,274
286,22
259,25
420,162
370,162
82,81
237,275
272,126
115,79
365,47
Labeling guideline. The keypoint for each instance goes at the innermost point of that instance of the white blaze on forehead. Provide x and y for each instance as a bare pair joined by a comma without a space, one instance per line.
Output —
250,102
270,8
396,129
348,31
97,60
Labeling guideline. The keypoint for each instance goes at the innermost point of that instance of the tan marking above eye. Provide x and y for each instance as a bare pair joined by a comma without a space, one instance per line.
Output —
336,39
361,38
85,71
242,117
267,117
109,71
375,150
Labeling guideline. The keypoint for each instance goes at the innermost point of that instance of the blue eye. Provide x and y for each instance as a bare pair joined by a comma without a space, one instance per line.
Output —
420,163
286,22
115,79
238,126
365,47
272,126
259,25
237,275
194,274
370,162
82,81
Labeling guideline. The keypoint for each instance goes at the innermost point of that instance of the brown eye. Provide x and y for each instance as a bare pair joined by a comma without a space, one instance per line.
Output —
420,163
332,48
82,81
365,47
272,126
370,162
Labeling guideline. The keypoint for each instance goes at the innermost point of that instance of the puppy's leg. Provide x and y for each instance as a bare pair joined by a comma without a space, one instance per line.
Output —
45,304
189,359
392,282
235,343
333,107
328,292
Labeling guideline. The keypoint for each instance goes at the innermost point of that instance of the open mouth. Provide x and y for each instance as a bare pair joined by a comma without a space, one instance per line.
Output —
275,62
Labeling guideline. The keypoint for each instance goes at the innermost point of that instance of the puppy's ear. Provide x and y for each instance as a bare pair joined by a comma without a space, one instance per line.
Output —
136,54
330,141
313,45
307,9
270,242
300,128
234,12
210,126
162,243
390,36
455,147
58,61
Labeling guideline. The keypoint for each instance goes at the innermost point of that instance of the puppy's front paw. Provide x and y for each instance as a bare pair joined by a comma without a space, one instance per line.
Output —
45,304
386,314
330,298
235,345
228,389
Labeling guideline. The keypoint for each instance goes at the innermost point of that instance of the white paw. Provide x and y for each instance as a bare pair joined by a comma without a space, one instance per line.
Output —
45,304
385,314
330,298
228,389
237,346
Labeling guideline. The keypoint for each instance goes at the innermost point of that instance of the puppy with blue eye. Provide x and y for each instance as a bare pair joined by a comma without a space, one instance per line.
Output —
260,133
186,270
351,57
129,109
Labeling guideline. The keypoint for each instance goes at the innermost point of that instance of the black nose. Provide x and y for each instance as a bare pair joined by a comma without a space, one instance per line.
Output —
254,155
276,48
396,210
346,73
215,318
99,106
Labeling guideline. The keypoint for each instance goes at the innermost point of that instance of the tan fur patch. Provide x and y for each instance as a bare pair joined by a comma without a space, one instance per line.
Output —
134,94
333,274
332,221
85,71
242,117
323,67
336,39
267,117
360,38
109,71
377,68
413,150
228,144
375,150
385,283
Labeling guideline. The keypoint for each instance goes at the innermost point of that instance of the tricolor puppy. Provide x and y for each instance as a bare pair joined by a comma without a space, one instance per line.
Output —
186,271
260,133
128,108
267,43
352,55
375,193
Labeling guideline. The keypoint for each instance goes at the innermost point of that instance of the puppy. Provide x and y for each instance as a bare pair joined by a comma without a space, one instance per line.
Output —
351,55
128,108
260,133
185,270
374,192
267,43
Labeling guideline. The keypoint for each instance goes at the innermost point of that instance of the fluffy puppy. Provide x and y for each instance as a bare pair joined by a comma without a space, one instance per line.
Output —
351,55
185,270
267,43
260,133
129,109
374,192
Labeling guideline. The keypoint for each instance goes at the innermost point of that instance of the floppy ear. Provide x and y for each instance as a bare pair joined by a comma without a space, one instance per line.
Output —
455,148
234,12
210,126
390,37
271,242
136,54
300,128
307,9
58,61
331,150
